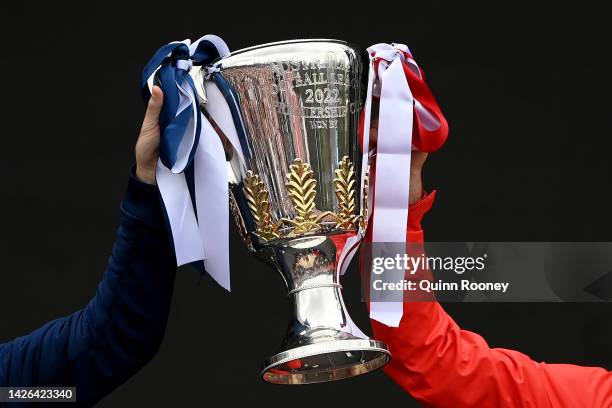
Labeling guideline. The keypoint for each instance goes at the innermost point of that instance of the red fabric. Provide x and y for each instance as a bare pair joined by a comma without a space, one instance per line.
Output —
424,140
443,366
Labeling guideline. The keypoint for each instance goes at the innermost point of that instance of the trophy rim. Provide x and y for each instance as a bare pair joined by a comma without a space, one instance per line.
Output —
220,60
381,359
293,41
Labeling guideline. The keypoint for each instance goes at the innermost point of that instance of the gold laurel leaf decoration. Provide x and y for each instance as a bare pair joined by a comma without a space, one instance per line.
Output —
258,200
301,186
344,182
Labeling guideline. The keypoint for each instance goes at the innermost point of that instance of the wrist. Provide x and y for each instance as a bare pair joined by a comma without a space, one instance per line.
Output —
418,209
141,201
146,174
416,187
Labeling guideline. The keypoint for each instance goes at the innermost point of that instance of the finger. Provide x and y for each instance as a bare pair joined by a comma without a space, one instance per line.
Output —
373,133
154,107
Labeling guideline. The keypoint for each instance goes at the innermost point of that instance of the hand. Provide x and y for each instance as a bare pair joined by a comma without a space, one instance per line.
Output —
416,165
147,146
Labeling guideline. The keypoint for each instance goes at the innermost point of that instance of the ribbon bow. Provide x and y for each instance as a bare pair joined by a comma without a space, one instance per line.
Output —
409,119
180,122
192,169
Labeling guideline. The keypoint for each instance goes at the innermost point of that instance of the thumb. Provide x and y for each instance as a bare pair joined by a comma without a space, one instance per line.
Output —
151,118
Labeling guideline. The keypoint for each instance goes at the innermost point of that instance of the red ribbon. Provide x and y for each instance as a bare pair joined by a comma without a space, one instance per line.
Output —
425,137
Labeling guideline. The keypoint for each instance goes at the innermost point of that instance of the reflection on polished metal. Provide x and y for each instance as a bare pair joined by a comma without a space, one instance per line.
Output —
298,197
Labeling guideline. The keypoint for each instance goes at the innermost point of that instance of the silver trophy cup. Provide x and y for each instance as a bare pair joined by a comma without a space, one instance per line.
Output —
299,197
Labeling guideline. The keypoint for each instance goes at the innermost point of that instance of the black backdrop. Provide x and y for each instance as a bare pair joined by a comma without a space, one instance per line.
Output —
525,88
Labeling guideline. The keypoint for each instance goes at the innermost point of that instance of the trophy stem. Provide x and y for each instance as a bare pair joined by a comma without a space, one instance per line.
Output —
322,343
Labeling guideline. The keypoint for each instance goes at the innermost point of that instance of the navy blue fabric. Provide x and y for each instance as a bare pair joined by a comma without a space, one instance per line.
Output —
232,99
168,76
99,347
172,126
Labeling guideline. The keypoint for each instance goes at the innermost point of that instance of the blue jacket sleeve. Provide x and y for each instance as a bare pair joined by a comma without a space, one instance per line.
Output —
99,347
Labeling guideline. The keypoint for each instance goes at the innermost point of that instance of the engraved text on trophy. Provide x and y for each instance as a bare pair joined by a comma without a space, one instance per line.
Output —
317,91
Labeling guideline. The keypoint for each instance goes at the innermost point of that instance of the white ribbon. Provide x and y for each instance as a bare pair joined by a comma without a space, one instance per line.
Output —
205,237
212,202
393,155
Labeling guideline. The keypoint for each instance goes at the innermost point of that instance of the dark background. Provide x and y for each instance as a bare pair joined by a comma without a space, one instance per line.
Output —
525,88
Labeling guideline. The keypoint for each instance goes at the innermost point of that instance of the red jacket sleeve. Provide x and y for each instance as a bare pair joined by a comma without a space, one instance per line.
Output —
443,366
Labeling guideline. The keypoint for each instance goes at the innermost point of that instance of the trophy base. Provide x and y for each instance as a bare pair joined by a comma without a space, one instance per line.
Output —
326,361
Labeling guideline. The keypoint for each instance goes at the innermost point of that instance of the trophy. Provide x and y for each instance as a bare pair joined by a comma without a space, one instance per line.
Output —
298,196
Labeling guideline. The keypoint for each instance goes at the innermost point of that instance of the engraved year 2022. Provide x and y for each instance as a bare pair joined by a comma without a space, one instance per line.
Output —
323,96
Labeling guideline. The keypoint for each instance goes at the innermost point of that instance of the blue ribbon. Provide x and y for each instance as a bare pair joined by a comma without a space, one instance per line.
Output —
232,99
171,73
